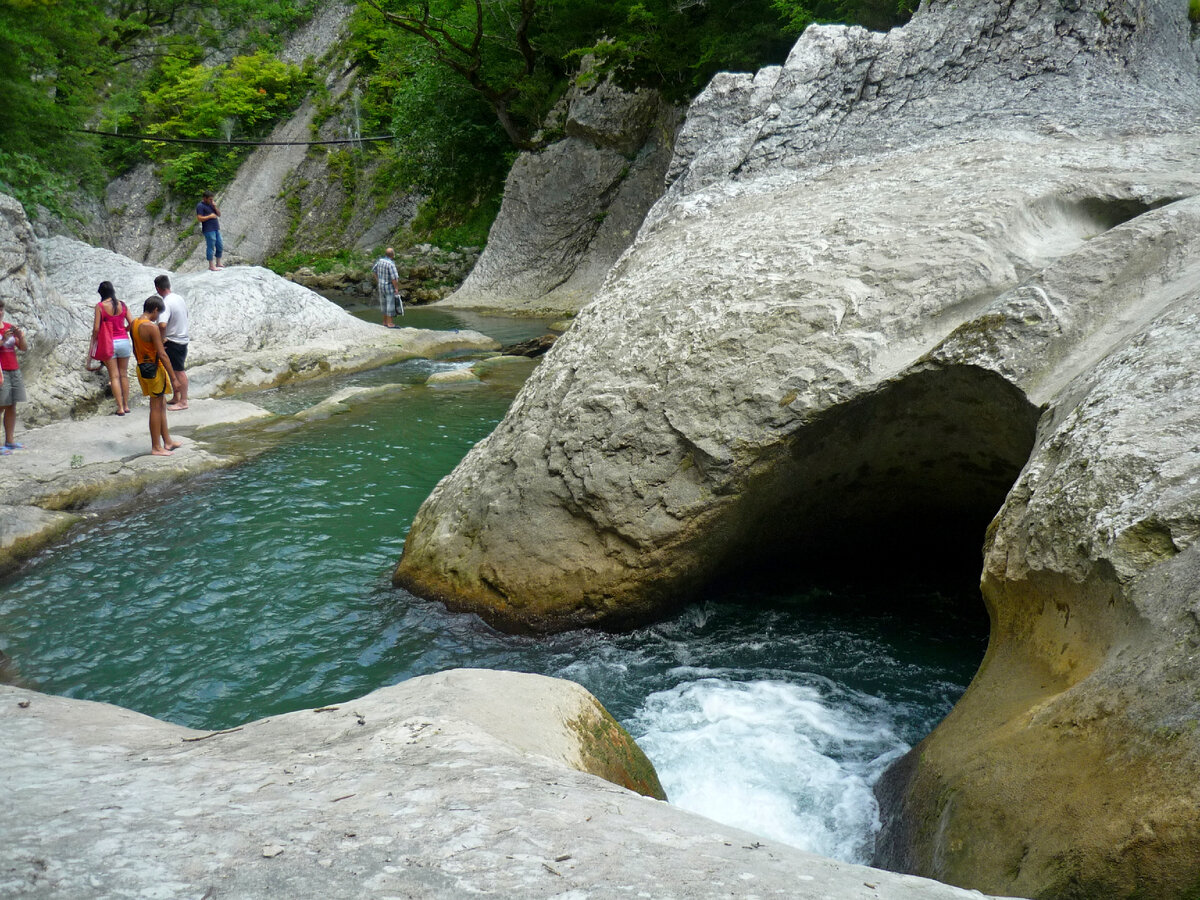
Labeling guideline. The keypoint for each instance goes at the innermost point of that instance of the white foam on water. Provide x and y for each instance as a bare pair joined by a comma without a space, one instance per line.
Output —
788,761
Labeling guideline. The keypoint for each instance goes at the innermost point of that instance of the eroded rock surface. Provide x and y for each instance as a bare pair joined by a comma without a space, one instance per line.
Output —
466,782
889,279
570,210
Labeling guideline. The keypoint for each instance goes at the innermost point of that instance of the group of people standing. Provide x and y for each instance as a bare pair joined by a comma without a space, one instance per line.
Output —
157,342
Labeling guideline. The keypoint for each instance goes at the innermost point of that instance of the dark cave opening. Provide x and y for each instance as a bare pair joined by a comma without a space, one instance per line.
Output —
892,490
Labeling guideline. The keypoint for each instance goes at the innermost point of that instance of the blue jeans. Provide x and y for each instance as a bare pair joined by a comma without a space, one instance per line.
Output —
213,245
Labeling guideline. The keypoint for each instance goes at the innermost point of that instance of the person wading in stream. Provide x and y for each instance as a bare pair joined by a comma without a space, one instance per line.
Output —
154,369
388,281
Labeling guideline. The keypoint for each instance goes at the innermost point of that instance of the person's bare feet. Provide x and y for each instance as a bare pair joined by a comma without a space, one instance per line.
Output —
161,452
176,407
174,445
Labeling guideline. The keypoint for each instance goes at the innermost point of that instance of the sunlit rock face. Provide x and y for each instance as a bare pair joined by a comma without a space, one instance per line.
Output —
888,280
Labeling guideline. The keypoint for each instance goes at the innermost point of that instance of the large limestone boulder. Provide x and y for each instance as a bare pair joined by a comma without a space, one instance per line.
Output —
571,209
888,280
466,782
249,327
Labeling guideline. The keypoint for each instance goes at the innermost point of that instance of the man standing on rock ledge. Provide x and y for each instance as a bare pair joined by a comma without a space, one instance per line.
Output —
388,281
174,325
209,218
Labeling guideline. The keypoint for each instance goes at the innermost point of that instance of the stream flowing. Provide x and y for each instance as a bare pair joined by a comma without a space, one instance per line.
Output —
265,588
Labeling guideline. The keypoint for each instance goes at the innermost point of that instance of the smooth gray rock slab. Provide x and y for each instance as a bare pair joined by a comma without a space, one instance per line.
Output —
24,528
110,454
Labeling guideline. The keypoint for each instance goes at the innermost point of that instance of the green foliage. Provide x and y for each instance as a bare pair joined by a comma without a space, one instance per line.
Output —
241,99
320,263
674,47
33,183
489,46
449,145
64,61
457,226
878,15
48,79
1194,11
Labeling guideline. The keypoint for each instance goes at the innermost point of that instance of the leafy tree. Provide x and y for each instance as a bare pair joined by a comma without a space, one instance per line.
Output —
448,146
677,47
486,43
49,73
517,54
244,97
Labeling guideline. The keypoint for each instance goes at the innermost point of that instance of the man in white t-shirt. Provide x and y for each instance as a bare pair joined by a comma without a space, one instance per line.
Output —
174,324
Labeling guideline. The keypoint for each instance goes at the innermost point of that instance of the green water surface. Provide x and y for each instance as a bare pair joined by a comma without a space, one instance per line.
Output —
254,590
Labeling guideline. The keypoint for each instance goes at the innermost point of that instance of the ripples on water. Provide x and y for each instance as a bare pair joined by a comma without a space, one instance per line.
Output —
266,588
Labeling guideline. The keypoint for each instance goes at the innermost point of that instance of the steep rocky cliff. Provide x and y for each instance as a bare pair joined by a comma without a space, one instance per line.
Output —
285,196
888,280
570,210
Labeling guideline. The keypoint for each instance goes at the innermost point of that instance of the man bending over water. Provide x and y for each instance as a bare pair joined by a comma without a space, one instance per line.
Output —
154,368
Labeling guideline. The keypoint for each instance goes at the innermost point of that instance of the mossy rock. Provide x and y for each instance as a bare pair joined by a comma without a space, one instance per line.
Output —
609,751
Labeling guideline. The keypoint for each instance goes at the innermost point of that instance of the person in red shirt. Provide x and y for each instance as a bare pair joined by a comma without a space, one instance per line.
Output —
12,389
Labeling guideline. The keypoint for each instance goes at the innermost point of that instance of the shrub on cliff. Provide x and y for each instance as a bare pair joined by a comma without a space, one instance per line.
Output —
239,99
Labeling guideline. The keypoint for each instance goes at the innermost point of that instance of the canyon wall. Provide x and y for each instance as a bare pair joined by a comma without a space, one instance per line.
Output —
899,286
572,209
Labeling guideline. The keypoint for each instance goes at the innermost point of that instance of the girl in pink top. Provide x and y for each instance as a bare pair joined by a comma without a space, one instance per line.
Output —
113,315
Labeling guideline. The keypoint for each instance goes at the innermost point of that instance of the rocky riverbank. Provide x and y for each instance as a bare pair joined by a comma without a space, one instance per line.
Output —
250,329
447,785
427,274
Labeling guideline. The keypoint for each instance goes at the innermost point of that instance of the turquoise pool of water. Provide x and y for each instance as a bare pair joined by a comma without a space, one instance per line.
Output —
266,588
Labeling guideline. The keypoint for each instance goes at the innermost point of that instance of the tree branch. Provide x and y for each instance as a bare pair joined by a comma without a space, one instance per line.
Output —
465,57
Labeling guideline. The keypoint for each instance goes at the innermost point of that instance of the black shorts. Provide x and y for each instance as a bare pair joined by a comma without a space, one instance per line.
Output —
177,354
